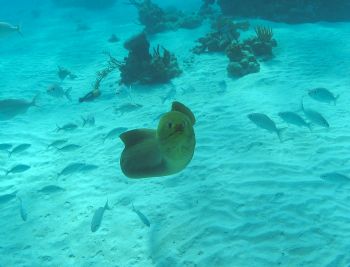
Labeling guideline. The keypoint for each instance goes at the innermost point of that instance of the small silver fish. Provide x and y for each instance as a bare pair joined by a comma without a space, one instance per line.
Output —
67,127
88,120
264,122
114,133
49,189
57,143
69,148
57,91
223,87
22,210
18,169
323,95
170,95
6,29
188,90
98,216
7,197
18,149
314,116
89,167
72,168
128,107
335,177
293,118
142,217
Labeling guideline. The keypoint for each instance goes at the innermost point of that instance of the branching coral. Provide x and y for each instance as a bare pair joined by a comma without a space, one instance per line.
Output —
263,33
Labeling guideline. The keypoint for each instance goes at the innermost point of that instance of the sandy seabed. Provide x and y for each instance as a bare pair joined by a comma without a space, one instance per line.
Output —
245,200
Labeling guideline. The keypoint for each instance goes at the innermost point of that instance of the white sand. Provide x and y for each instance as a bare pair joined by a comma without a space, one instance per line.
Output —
245,200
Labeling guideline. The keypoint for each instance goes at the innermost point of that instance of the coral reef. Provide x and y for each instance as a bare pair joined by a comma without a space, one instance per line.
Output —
263,43
140,66
242,60
224,32
90,4
298,11
157,20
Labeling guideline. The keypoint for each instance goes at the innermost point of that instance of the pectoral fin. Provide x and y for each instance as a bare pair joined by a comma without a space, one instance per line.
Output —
136,136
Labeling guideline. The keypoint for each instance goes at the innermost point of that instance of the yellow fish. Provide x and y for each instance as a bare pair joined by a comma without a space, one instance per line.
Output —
164,151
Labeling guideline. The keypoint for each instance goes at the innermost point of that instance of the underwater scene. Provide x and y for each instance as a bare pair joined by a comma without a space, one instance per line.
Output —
165,133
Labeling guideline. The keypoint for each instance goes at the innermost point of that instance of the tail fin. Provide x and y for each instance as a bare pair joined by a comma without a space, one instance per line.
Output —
279,133
107,206
58,128
18,28
309,125
84,121
335,100
67,93
33,103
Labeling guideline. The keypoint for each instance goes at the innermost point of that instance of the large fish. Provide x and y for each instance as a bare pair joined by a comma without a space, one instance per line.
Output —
7,29
10,108
264,122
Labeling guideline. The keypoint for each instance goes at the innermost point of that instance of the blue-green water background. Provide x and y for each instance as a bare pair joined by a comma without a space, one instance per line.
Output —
245,200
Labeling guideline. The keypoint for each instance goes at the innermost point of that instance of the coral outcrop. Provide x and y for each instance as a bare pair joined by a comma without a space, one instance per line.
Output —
224,32
298,11
141,66
156,20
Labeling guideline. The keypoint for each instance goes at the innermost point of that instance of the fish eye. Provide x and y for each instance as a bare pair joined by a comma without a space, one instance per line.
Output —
170,125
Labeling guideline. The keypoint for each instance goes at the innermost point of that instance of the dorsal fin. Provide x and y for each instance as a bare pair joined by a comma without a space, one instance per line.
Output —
177,106
133,137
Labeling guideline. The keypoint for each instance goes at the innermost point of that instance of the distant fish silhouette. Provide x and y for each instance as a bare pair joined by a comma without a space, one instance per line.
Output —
57,143
294,119
5,146
264,122
67,127
72,168
88,120
10,108
128,107
50,189
169,95
335,177
69,148
98,216
18,169
55,90
22,210
18,149
114,133
323,95
142,217
314,116
7,29
7,197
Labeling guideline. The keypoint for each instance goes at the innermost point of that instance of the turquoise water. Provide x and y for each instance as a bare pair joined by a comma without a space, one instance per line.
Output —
245,199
